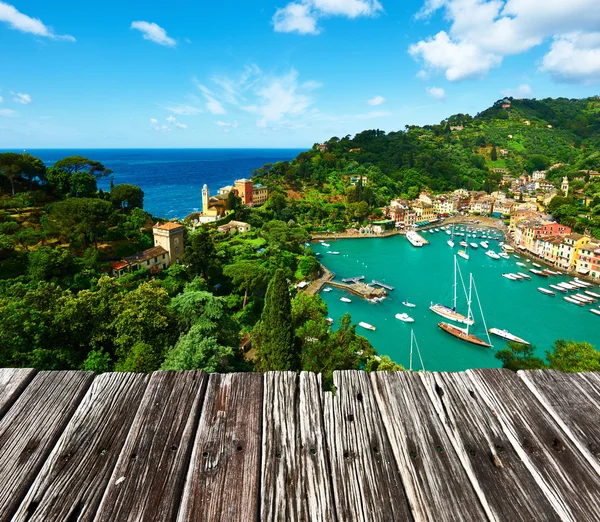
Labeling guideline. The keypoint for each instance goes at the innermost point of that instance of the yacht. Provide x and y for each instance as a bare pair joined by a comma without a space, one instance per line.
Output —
450,243
405,318
414,239
367,326
484,244
474,245
450,312
463,254
492,254
505,334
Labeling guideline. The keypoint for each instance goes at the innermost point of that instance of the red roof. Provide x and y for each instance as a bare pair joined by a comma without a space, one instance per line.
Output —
171,225
118,265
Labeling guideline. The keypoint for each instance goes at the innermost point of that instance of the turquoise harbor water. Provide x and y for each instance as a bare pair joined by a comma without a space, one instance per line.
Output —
423,275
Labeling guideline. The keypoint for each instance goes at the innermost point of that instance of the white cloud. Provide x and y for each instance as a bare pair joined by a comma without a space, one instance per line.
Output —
302,16
180,125
483,32
26,24
436,92
157,126
154,33
1,99
8,113
224,124
183,110
171,119
521,91
574,58
22,98
212,104
423,75
377,100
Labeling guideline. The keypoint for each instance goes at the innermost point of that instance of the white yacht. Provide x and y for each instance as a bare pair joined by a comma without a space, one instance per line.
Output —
414,239
345,300
492,254
405,318
505,334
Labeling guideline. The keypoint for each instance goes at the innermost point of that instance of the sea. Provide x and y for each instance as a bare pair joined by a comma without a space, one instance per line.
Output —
172,179
425,275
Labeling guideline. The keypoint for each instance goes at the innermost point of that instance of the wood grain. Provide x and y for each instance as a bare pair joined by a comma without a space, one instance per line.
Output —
148,479
492,464
564,475
222,483
12,383
30,429
72,481
366,482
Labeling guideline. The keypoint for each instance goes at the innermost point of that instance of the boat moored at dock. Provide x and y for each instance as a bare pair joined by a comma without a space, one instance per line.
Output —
573,301
492,254
414,239
546,291
505,334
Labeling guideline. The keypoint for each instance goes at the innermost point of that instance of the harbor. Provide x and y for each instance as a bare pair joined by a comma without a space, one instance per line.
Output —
423,276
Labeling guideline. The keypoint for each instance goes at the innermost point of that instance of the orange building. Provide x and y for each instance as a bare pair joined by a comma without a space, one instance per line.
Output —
244,188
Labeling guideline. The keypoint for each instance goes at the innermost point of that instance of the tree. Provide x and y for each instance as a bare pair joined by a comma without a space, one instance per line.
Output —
494,154
73,164
572,356
382,364
518,356
82,185
127,196
275,349
246,275
199,253
13,166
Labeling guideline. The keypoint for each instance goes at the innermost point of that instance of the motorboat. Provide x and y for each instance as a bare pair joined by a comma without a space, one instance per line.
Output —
492,254
474,245
405,318
573,301
592,294
504,255
410,305
367,326
521,264
558,288
523,276
327,289
326,244
333,252
345,300
594,311
463,244
450,243
537,265
414,239
484,244
511,277
538,272
546,291
505,334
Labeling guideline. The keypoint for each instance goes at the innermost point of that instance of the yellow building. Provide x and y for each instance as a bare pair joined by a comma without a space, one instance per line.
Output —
569,250
260,194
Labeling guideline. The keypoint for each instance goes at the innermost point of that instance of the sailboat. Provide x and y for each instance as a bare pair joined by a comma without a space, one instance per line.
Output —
464,253
413,339
451,240
463,333
446,311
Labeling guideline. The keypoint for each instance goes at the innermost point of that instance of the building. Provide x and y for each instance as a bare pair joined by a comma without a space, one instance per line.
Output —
399,210
588,261
445,205
565,186
240,226
529,230
538,175
244,188
426,197
212,207
167,251
503,207
260,194
569,250
424,211
482,205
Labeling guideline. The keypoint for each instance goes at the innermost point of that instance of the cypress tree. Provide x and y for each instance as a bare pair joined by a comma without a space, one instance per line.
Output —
494,154
276,350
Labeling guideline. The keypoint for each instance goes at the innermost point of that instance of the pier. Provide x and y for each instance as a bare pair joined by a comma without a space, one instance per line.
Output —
382,285
353,279
360,289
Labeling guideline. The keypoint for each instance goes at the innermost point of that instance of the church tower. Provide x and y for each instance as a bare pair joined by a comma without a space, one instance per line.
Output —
565,186
205,199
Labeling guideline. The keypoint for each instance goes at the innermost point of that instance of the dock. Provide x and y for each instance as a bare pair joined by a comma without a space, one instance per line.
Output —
481,445
360,289
353,279
382,285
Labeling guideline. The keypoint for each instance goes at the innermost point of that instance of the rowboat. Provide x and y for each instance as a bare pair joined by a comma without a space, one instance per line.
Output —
594,311
538,272
505,334
574,301
367,326
405,318
592,294
547,292
524,276
558,288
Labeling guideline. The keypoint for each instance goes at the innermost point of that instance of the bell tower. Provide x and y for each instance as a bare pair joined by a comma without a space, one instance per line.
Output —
565,186
205,198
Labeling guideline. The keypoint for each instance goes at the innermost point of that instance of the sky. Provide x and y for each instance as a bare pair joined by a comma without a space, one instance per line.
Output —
278,73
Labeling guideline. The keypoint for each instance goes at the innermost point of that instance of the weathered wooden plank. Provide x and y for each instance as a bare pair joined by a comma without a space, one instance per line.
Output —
71,483
148,479
366,483
12,383
510,491
223,479
573,400
562,472
30,429
435,481
296,480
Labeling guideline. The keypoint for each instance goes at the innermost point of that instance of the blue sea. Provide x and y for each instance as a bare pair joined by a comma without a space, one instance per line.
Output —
172,179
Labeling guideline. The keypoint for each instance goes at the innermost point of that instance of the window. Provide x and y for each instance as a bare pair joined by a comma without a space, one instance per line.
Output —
148,262
176,240
177,250
156,259
164,265
163,256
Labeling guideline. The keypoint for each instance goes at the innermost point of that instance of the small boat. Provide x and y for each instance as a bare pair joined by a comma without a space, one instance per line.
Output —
592,294
474,245
367,326
405,318
521,264
410,305
450,243
523,276
505,334
512,277
595,312
577,298
463,334
463,254
549,272
345,300
538,272
573,301
537,265
558,288
504,255
329,321
545,291
516,256
326,244
484,244
333,252
327,289
463,244
492,254
585,298
448,232
567,286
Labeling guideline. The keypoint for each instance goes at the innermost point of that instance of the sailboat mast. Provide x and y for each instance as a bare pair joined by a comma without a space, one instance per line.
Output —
469,314
412,334
454,303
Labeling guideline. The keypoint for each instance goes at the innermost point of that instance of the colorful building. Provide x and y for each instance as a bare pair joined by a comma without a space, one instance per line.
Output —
588,262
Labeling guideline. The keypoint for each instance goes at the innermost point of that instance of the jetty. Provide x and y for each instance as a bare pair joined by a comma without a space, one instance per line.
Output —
188,446
382,285
353,279
360,289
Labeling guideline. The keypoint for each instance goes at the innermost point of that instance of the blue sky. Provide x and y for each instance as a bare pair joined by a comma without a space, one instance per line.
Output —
277,74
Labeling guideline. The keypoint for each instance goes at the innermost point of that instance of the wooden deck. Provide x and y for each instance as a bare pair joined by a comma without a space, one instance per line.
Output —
483,445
